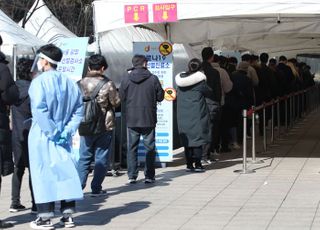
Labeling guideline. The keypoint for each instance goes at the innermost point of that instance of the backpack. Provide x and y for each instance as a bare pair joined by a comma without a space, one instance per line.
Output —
93,121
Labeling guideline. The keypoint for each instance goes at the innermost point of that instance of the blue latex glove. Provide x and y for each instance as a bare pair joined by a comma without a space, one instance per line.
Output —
55,137
64,138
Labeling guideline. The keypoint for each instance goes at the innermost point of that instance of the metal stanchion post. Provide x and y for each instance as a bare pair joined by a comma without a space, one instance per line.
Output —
254,159
272,124
290,111
294,114
286,113
302,104
244,169
264,130
278,117
298,106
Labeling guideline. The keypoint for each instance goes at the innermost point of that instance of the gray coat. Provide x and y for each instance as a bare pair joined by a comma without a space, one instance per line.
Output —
192,112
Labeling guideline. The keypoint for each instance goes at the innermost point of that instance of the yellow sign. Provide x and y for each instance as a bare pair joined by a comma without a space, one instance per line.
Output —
170,94
165,48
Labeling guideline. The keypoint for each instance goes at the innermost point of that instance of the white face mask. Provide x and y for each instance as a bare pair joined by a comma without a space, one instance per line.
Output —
39,66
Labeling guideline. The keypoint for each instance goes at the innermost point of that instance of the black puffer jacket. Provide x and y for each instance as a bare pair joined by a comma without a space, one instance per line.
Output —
140,91
9,95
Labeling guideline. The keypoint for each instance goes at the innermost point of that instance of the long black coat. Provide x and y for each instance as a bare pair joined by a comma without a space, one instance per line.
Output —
9,94
240,97
21,122
192,111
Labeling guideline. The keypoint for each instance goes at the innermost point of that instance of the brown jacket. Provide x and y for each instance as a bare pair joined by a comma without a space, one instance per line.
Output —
108,96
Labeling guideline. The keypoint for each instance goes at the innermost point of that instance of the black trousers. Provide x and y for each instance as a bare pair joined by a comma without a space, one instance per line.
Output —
16,185
193,155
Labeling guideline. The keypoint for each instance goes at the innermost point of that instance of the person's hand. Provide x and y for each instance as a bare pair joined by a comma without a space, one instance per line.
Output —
64,138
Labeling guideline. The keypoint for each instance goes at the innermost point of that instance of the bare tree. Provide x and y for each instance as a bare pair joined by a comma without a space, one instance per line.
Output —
76,15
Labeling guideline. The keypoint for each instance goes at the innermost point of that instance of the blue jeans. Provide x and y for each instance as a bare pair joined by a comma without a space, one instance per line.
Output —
133,138
94,148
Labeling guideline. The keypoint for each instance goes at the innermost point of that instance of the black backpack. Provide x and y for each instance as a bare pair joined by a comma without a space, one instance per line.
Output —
93,121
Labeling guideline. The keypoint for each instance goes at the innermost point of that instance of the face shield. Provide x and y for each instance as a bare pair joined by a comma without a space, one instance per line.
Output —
37,66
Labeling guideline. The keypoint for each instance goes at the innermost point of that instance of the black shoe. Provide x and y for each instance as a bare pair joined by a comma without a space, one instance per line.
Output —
16,208
149,181
225,150
199,169
5,224
100,193
41,224
189,169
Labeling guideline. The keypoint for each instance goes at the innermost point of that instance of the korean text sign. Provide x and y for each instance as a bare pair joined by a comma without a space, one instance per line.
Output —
73,59
164,12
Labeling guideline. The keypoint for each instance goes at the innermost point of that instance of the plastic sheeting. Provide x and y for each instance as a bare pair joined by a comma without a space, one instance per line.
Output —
275,26
117,47
45,25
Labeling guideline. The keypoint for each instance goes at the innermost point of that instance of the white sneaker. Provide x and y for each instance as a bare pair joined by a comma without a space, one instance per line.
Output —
41,224
132,181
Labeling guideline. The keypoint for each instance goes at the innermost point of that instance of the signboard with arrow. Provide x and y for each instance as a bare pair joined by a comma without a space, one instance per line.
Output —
164,12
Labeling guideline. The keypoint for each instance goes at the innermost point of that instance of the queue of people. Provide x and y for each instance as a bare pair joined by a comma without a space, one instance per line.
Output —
228,87
48,108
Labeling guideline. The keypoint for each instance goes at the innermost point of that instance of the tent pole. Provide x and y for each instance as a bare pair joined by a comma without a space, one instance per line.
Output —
168,32
98,50
14,50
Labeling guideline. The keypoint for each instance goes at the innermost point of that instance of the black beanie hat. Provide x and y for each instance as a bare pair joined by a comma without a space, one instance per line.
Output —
1,40
207,53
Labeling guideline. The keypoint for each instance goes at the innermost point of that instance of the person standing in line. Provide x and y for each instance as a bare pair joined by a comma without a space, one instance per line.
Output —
213,100
140,91
9,95
21,123
193,124
57,111
226,86
95,144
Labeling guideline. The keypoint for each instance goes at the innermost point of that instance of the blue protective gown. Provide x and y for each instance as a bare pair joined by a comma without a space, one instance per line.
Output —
56,106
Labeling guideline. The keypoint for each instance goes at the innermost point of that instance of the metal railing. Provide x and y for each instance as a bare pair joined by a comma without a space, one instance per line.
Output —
293,106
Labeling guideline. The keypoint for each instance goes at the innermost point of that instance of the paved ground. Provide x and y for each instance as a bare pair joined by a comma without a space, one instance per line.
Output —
283,193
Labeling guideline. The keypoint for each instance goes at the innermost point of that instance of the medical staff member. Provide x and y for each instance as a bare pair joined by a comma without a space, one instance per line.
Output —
57,109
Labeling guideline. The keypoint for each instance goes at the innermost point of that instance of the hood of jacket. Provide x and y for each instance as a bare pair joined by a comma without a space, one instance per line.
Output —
23,86
139,75
185,79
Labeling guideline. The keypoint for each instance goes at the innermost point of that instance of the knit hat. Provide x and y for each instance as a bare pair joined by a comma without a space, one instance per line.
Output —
243,66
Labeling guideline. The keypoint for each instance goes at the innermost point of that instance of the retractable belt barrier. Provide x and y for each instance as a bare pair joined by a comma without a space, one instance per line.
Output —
296,106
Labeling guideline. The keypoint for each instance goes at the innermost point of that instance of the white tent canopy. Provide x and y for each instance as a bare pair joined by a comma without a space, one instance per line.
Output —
12,34
274,26
16,41
117,47
45,25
